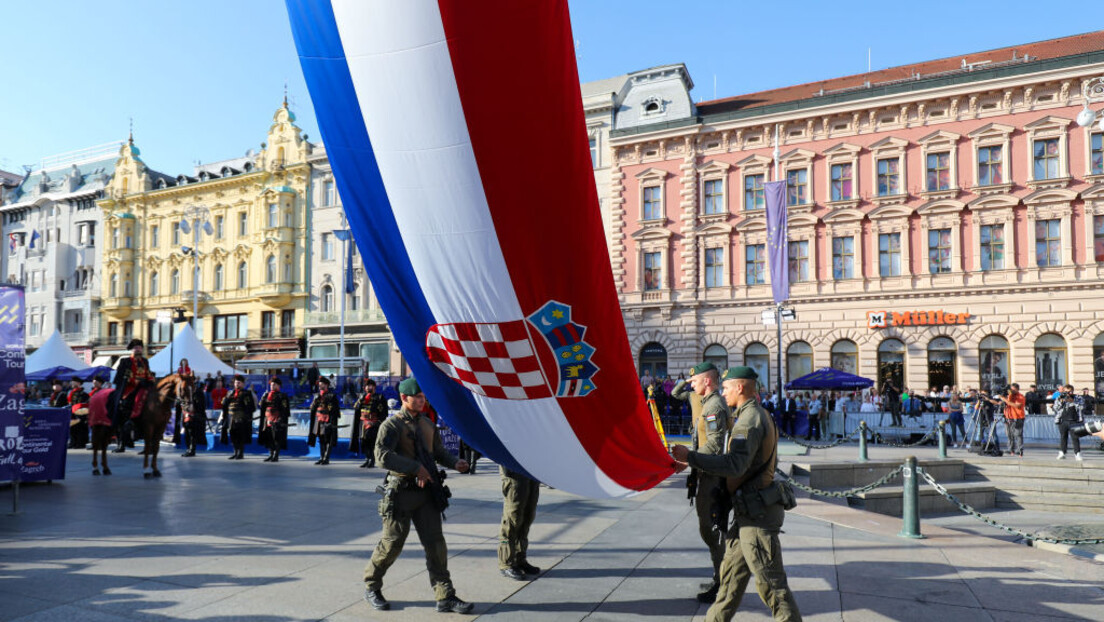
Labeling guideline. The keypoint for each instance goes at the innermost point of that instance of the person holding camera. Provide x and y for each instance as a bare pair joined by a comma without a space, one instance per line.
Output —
1014,416
1067,414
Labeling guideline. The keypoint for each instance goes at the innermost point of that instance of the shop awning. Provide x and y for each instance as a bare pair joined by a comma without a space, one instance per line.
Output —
269,356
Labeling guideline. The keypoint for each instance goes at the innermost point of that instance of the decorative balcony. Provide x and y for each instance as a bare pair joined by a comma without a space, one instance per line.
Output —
333,318
118,308
274,294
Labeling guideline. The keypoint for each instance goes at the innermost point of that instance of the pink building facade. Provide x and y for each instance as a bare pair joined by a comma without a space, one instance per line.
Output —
946,222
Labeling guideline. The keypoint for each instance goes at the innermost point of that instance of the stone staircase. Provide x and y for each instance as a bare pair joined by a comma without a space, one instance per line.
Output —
1039,484
835,476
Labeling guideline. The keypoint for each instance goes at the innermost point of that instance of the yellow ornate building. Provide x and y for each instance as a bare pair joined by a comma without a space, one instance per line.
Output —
252,259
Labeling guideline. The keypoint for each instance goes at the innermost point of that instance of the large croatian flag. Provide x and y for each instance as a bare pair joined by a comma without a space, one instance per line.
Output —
458,143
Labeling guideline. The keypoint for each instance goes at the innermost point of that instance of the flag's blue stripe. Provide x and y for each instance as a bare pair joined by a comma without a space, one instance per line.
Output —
372,221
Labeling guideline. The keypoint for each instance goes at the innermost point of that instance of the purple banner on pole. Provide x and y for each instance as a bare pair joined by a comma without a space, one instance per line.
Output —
45,437
13,381
776,240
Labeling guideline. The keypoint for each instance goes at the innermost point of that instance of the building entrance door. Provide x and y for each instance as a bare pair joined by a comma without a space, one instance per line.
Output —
653,360
941,363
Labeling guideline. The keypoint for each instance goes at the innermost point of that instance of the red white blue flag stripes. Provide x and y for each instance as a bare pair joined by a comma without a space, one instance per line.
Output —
457,139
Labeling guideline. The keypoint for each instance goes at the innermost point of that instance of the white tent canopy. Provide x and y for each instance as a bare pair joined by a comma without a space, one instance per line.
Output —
54,353
187,346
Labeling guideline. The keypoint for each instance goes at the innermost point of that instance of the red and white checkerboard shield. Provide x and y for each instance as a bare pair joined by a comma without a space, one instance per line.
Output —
495,360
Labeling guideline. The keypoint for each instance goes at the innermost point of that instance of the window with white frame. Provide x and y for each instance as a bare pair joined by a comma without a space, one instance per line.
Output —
992,247
218,277
889,177
843,258
713,197
841,180
653,271
1045,160
220,229
270,269
714,267
797,187
174,282
939,251
653,203
1098,238
153,284
243,275
889,254
754,197
329,193
938,169
798,261
594,151
755,266
990,165
176,234
1048,243
243,223
114,286
327,247
1048,152
1096,154
155,236
273,215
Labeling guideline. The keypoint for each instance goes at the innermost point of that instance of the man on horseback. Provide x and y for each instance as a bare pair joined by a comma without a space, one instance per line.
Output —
133,380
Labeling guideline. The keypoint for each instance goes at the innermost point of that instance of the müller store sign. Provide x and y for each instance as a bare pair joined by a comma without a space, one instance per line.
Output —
885,319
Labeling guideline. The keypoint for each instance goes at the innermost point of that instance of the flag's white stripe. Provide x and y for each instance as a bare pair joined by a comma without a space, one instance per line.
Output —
400,66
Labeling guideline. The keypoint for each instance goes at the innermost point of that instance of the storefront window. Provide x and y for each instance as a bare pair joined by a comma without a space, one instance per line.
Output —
717,355
653,360
845,356
799,360
1050,362
757,357
941,363
891,363
993,358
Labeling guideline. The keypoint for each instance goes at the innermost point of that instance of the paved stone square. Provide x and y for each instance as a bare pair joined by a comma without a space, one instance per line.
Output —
218,540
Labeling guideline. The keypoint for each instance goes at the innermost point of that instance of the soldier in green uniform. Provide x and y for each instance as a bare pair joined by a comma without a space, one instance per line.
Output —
275,412
748,469
519,510
409,447
325,412
707,436
239,406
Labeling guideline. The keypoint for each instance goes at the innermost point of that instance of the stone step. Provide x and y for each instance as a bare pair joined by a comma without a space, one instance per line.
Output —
887,499
1084,502
1042,486
843,475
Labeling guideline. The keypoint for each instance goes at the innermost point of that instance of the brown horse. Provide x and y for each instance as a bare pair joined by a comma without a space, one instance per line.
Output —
161,401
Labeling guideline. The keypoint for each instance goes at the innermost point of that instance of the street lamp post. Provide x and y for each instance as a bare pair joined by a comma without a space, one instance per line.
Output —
345,235
201,221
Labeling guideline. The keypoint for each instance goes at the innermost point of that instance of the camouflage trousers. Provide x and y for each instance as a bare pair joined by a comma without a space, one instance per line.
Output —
519,510
413,505
753,551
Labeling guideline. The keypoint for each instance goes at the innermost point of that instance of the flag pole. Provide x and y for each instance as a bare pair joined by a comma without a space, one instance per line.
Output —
778,306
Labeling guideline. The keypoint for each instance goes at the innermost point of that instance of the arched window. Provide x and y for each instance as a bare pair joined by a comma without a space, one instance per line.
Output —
243,275
327,299
993,356
270,269
799,360
127,291
174,283
354,298
757,357
845,356
1050,362
941,363
114,285
218,277
891,363
153,284
653,360
287,269
717,355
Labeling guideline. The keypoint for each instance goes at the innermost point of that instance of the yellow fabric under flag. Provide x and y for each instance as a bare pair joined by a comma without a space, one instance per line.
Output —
655,417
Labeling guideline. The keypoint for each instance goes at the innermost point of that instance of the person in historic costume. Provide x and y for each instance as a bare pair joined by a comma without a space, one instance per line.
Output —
368,413
275,412
133,380
185,369
238,407
100,423
78,422
325,412
57,398
195,422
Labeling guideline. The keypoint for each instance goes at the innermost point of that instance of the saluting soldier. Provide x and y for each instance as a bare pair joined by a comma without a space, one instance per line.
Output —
369,411
78,423
325,412
132,379
409,446
275,412
748,470
707,437
239,406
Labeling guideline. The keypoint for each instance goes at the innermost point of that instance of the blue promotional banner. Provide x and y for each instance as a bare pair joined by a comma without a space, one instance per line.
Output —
13,385
45,437
449,438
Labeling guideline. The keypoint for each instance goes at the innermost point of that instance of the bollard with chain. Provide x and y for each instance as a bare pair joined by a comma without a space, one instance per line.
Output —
862,442
910,501
942,440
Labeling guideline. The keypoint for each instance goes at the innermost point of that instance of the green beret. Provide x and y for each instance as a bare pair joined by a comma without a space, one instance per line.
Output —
701,368
740,373
409,387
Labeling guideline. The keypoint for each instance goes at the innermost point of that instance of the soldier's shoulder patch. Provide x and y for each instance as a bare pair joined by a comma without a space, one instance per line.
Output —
711,417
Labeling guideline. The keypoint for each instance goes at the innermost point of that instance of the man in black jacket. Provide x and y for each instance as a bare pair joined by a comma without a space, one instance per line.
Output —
239,406
325,412
275,412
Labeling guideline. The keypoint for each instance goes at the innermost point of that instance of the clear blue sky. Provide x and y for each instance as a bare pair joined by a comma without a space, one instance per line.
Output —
201,78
